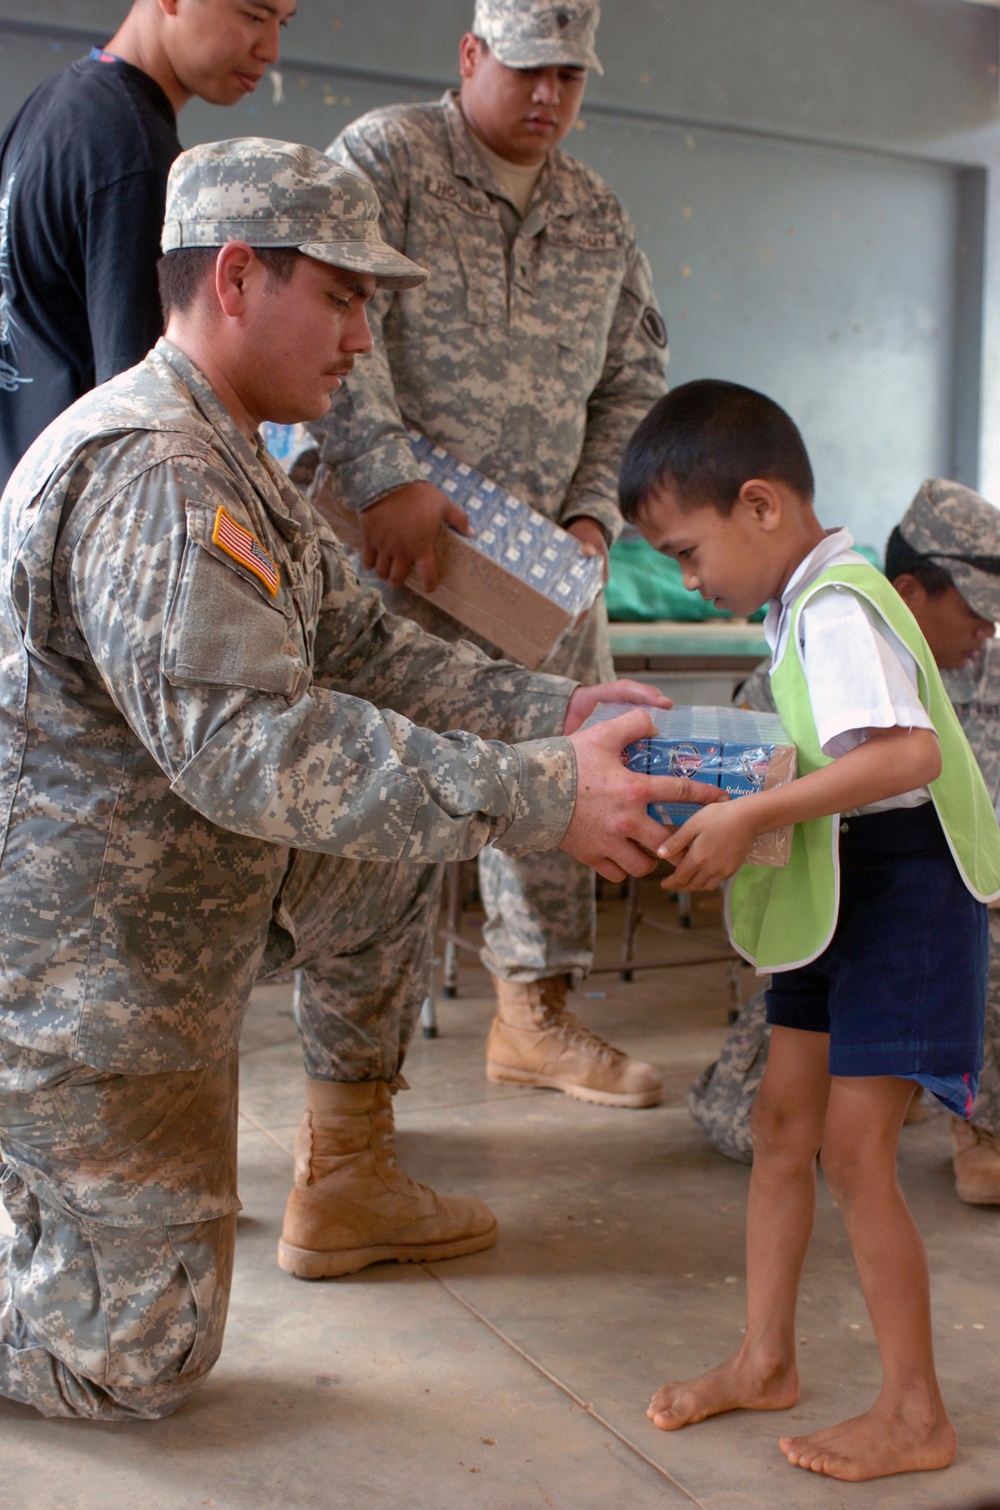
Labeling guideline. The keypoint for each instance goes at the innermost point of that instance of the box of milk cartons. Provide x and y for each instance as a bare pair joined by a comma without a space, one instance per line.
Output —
740,750
519,580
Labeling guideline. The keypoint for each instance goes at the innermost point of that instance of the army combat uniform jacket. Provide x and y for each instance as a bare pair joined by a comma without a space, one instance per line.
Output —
187,672
535,346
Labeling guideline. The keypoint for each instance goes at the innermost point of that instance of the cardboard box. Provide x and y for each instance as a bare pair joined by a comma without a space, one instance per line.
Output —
520,581
742,751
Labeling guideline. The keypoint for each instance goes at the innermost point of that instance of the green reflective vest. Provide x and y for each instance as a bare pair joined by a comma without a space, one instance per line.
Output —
781,918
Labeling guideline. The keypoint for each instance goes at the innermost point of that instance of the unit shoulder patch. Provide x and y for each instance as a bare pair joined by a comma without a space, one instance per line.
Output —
652,324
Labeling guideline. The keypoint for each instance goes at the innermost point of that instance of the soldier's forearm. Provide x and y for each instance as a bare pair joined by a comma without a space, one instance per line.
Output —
452,686
331,774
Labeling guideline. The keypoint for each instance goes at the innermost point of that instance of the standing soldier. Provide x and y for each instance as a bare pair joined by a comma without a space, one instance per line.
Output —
531,353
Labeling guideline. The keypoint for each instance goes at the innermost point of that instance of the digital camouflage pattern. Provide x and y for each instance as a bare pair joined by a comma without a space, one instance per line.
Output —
532,352
360,938
534,348
113,1293
171,731
144,665
720,1100
955,528
538,33
271,193
975,693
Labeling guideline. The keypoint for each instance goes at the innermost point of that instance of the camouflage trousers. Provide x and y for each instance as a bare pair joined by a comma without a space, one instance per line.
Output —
360,938
986,1112
122,1188
721,1099
540,909
122,1191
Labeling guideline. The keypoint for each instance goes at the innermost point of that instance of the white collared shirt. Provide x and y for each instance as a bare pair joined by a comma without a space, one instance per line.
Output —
860,675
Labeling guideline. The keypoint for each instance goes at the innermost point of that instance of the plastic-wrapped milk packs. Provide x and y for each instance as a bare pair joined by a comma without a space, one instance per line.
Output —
513,535
740,750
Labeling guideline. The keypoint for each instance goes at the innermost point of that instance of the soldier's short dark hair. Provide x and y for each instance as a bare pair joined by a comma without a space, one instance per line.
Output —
901,558
182,272
704,441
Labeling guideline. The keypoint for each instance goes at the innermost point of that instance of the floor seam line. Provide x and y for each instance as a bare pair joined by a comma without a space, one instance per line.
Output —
258,1127
584,1405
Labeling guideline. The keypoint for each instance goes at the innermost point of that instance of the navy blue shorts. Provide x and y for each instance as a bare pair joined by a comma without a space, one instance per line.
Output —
901,988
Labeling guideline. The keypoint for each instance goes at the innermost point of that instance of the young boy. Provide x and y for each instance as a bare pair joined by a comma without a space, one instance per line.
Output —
875,932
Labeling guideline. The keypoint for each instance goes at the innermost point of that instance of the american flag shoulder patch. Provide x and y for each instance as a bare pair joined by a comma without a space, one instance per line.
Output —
244,548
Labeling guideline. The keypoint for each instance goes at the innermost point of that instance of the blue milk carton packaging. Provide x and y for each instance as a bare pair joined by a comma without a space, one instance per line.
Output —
742,751
682,755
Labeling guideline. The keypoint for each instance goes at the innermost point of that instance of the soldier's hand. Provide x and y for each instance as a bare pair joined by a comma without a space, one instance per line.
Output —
399,530
585,699
610,828
592,538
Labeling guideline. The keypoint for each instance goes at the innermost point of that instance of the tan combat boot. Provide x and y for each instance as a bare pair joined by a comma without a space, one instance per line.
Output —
976,1162
351,1206
534,1040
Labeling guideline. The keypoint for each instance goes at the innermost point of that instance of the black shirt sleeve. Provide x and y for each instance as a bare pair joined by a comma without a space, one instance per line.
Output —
122,244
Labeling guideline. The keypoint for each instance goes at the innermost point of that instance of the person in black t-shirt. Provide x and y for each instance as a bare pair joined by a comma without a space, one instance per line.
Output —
83,174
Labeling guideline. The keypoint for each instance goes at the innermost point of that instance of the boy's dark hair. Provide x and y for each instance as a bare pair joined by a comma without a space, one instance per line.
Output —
704,441
180,273
900,557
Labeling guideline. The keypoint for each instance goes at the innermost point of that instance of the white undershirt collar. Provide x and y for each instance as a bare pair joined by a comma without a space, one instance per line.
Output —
834,549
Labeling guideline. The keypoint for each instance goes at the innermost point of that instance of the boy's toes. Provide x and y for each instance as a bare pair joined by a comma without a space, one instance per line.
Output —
671,1407
801,1452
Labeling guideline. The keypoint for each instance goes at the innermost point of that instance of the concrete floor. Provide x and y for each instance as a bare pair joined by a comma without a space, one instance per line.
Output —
519,1378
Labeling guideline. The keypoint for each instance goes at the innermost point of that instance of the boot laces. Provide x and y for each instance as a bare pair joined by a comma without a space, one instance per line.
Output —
384,1123
574,1034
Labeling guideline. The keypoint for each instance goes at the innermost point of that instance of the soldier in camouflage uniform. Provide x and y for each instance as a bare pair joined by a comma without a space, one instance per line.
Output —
532,352
195,785
944,560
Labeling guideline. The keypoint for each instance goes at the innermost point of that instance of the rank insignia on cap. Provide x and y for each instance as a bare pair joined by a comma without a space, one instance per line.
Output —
241,545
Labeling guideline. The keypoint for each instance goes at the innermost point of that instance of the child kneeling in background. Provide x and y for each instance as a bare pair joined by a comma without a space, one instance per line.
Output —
876,931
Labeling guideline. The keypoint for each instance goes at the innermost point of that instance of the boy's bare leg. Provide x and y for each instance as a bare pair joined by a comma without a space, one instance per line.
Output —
787,1125
907,1428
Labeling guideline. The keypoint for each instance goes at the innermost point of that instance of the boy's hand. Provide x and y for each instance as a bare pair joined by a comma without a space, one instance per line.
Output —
710,847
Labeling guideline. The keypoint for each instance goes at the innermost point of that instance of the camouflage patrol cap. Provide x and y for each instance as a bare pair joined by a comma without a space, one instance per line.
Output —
957,529
538,33
272,193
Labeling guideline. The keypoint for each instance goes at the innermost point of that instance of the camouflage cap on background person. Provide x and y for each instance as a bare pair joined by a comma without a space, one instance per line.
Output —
539,33
272,193
957,529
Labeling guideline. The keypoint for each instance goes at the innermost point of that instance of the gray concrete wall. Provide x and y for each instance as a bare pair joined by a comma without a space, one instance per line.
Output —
813,181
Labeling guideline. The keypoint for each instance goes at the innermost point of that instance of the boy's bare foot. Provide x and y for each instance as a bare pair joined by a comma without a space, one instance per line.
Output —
872,1446
734,1385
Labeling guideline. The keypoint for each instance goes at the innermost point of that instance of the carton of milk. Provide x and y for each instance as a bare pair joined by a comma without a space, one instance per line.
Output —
519,580
742,751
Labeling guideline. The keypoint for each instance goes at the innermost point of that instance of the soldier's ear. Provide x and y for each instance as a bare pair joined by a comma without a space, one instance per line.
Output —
234,269
911,590
469,50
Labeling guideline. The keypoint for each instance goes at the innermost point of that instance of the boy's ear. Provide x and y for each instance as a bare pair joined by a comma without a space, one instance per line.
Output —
763,501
